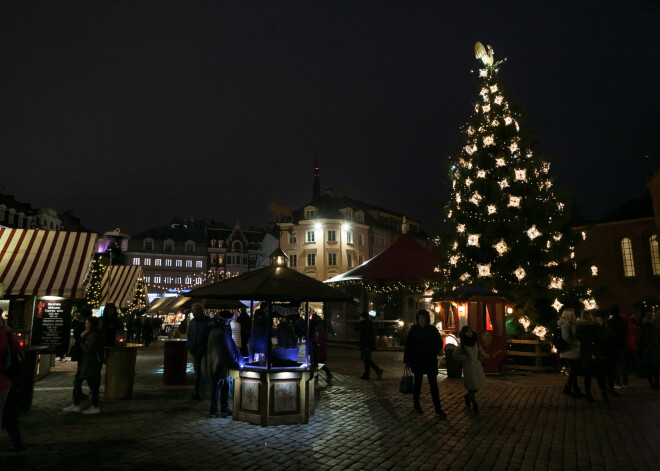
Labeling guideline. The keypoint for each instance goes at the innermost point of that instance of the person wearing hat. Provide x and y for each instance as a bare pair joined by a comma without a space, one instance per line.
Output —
222,355
368,345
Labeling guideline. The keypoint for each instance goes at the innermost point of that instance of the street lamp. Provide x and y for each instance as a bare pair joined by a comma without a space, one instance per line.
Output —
278,258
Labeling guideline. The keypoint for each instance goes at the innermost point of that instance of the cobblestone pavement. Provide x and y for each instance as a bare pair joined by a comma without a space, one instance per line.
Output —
525,423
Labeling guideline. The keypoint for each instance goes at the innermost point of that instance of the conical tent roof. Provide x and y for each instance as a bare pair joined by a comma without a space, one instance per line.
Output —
271,284
404,260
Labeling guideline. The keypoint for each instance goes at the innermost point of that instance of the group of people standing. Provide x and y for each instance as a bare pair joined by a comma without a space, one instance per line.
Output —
607,346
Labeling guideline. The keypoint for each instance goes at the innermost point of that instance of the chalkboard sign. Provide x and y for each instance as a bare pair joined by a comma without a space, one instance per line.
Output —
52,323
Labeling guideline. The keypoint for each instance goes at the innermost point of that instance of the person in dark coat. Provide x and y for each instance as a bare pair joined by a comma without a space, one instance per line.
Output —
367,346
259,339
320,351
222,355
9,396
649,351
607,338
198,338
423,345
79,325
592,355
112,326
619,326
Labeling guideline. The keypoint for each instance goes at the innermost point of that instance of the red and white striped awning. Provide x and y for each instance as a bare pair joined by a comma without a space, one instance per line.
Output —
119,283
45,263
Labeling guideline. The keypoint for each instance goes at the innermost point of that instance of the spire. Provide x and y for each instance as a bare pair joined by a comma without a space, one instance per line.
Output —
317,182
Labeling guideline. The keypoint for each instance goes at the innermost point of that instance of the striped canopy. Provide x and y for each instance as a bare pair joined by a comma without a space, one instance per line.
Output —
45,263
119,283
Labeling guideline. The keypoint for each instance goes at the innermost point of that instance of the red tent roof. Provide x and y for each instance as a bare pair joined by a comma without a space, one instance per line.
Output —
404,260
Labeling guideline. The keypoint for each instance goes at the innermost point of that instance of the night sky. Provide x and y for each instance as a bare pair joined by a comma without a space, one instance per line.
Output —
132,113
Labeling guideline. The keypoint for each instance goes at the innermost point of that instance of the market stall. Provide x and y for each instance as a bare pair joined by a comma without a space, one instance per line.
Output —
278,387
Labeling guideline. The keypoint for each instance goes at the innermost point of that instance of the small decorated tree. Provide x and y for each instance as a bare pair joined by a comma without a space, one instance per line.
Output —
93,292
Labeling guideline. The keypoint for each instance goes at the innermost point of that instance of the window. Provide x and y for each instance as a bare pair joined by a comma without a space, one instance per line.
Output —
156,278
293,260
198,280
309,214
332,236
168,280
198,264
310,236
358,218
628,261
147,262
188,279
293,237
168,245
148,245
147,279
311,259
359,259
655,254
179,263
360,239
221,259
168,262
157,262
190,247
244,259
188,263
136,261
349,237
177,280
332,259
349,260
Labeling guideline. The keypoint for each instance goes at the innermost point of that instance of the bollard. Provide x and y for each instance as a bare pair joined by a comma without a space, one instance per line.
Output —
120,371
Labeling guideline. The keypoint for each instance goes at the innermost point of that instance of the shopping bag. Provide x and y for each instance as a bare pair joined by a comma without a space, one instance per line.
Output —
406,384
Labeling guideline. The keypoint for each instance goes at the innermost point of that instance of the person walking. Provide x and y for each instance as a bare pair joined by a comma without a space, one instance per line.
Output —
423,345
571,355
592,355
79,326
367,346
649,351
223,354
92,347
470,353
198,337
8,393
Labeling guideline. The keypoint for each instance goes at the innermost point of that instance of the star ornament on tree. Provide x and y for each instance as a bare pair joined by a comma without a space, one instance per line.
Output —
514,201
520,273
501,247
484,270
533,232
473,240
557,305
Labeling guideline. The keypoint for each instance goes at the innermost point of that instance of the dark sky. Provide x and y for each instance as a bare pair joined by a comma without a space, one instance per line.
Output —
131,113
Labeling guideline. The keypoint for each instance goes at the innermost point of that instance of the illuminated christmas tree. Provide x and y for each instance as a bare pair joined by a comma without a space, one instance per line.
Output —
140,301
507,224
93,293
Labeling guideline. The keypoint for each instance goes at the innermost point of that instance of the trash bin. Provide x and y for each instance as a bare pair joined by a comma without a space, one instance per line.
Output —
175,361
454,366
24,384
120,371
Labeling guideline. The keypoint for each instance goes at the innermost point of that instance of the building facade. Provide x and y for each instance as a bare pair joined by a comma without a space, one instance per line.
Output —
622,253
332,234
233,251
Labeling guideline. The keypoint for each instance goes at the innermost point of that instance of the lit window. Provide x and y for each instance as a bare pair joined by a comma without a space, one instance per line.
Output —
293,237
655,254
310,236
136,261
332,259
147,279
179,263
188,279
157,262
168,280
311,259
147,261
293,260
177,280
628,261
198,264
156,278
332,236
349,237
198,280
188,263
168,262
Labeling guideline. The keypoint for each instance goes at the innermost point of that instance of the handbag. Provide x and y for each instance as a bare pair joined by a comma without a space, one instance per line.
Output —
406,383
13,362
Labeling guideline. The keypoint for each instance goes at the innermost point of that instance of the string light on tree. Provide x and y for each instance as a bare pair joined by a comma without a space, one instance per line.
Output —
557,305
556,283
520,273
473,240
514,201
533,232
501,247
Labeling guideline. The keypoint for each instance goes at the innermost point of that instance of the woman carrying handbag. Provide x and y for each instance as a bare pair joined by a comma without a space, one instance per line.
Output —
423,345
